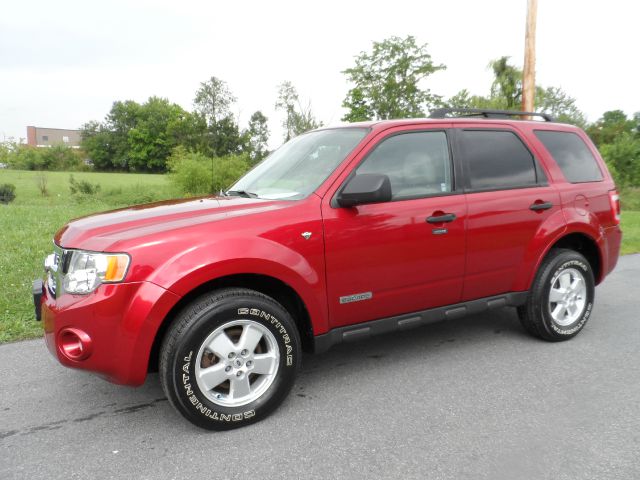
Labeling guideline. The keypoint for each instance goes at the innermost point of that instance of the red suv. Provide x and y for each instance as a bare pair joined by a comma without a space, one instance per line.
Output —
340,234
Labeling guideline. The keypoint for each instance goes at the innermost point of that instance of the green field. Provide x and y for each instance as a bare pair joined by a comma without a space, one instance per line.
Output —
29,223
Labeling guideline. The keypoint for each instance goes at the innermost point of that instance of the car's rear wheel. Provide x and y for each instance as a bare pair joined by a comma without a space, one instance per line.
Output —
229,358
561,298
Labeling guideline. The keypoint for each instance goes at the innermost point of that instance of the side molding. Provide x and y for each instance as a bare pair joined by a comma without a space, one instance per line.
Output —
322,343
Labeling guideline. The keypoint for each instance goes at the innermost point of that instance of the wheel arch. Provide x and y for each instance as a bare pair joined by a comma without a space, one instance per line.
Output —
268,285
579,241
587,246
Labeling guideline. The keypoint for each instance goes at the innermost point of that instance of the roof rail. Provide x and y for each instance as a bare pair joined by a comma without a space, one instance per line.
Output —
484,113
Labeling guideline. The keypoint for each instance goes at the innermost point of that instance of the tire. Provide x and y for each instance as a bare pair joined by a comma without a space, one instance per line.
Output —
229,358
561,298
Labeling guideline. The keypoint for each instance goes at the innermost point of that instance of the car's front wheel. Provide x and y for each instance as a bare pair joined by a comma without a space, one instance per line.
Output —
561,298
229,358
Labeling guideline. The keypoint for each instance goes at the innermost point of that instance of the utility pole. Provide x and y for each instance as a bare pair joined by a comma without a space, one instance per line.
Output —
529,73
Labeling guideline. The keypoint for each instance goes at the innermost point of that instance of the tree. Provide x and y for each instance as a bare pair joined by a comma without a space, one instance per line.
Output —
464,99
559,104
150,140
122,118
257,135
618,139
213,103
506,94
225,138
506,89
141,137
298,118
213,100
386,81
613,124
98,143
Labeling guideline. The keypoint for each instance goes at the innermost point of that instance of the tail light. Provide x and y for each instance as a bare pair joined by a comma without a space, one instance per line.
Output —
614,200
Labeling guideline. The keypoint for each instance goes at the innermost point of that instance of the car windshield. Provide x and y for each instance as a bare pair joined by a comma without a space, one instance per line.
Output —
300,166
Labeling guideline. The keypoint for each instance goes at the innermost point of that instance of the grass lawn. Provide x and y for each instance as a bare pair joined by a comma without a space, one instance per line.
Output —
630,232
30,221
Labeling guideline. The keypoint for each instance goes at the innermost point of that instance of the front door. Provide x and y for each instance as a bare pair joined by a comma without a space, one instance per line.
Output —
405,255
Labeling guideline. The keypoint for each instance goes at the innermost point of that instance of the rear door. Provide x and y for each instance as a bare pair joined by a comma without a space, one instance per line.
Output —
405,255
508,198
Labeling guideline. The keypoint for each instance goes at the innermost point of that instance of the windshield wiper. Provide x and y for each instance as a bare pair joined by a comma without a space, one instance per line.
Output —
242,193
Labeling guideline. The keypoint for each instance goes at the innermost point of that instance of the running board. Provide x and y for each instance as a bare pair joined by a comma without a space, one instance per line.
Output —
324,342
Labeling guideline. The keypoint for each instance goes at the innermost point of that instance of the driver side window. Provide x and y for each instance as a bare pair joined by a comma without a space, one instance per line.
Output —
417,164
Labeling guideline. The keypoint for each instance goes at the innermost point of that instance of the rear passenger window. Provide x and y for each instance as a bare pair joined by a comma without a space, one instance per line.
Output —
496,160
417,164
572,156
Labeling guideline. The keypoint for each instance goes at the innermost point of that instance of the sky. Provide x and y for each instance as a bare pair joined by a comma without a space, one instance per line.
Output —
64,63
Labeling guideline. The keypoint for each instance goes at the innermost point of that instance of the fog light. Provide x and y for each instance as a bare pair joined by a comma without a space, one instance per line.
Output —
74,344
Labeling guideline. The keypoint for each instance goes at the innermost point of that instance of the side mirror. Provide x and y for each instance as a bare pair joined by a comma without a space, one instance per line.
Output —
365,188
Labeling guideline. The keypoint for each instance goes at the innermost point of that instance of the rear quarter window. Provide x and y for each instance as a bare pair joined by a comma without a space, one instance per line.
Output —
572,155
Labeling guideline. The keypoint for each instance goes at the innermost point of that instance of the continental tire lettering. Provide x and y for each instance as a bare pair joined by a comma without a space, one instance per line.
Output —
570,263
280,328
576,327
203,409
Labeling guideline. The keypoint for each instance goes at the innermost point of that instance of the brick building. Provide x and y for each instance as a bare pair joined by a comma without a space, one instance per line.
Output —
46,137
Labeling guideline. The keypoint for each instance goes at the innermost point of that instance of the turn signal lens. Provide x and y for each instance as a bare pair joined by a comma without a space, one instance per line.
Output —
116,268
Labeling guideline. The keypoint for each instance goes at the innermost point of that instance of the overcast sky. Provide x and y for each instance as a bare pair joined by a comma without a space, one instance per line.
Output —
63,63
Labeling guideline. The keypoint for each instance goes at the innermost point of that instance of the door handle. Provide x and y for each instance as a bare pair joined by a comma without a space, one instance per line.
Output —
447,217
540,206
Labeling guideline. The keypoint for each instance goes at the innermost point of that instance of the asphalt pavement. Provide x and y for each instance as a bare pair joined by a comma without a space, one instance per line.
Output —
475,398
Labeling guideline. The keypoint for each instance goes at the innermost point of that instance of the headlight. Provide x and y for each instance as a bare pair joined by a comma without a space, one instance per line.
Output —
87,270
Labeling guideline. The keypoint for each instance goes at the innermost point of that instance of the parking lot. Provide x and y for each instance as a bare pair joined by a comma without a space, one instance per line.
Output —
469,399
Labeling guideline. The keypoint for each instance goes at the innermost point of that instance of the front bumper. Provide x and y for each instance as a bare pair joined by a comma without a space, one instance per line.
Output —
120,321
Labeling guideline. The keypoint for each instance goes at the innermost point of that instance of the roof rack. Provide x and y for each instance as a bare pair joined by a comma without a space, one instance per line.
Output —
481,112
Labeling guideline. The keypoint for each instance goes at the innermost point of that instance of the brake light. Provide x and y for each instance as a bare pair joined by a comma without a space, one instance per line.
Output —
614,200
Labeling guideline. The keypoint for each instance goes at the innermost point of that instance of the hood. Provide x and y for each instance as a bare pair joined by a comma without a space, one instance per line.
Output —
98,232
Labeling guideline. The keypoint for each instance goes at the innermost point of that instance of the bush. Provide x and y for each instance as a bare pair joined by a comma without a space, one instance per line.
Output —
189,171
228,169
26,158
624,156
7,193
58,157
196,174
42,184
82,187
